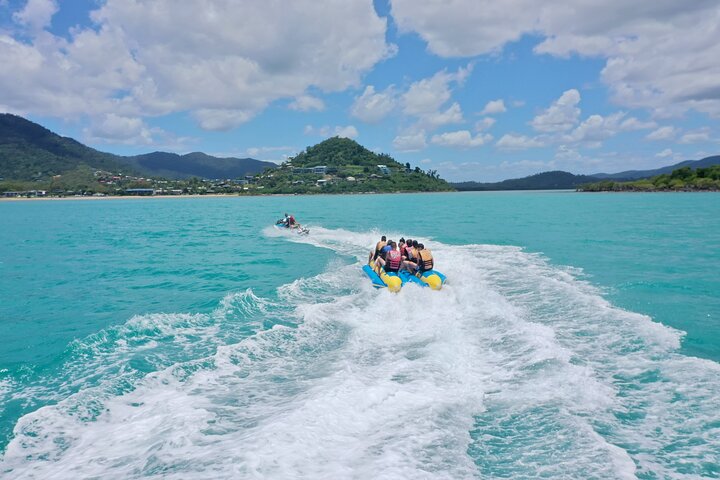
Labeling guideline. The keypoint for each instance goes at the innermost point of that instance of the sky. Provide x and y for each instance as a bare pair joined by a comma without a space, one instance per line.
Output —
475,89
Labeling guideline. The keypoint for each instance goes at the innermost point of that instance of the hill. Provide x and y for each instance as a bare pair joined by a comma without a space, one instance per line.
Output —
196,164
341,165
681,179
29,151
556,180
638,174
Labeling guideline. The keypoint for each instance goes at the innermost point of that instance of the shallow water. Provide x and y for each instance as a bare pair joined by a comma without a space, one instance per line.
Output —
577,337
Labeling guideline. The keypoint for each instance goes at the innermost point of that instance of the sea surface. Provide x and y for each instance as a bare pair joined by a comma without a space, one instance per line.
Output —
578,337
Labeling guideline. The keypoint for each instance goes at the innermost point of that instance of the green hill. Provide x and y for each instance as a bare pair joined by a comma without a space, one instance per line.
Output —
29,151
341,165
195,164
681,179
556,180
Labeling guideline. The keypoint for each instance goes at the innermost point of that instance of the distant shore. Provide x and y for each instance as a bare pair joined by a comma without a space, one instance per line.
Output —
117,197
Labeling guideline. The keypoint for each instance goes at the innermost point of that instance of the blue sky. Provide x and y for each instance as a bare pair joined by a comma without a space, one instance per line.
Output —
476,89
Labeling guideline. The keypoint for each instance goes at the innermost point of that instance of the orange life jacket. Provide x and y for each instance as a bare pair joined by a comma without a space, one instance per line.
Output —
425,259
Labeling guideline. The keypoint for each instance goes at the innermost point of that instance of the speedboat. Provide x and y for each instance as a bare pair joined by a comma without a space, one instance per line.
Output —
395,281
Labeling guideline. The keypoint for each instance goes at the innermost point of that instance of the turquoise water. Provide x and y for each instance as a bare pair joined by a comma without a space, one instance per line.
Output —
578,337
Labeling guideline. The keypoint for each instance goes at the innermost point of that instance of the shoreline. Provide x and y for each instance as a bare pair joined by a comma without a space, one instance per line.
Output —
210,195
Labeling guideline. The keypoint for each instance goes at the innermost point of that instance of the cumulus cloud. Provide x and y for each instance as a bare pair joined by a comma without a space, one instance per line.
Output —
429,94
665,153
658,54
372,106
460,139
262,151
120,129
493,107
484,124
348,131
518,142
596,128
562,115
306,103
697,136
662,133
410,142
36,14
223,63
453,114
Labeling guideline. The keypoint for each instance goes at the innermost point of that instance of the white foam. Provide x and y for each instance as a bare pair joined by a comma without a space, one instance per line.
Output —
516,369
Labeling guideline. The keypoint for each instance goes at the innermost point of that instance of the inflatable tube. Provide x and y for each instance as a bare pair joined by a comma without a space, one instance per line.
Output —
395,281
433,279
391,281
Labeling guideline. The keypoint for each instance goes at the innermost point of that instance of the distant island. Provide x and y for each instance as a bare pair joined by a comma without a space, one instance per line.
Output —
559,180
683,179
37,162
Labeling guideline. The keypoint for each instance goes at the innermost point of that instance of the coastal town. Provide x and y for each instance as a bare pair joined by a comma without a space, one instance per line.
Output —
119,184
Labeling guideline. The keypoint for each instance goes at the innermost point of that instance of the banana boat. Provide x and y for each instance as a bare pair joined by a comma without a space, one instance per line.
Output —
395,281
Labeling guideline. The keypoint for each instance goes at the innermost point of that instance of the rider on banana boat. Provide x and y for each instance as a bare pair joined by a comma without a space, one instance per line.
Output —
392,262
424,260
378,248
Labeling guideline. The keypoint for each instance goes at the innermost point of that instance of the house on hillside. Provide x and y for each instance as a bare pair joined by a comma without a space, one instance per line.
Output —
384,169
320,170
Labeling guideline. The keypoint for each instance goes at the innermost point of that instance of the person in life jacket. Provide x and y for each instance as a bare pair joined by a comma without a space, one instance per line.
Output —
393,259
378,248
424,259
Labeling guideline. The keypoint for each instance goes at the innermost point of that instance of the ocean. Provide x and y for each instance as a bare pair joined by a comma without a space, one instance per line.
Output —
578,337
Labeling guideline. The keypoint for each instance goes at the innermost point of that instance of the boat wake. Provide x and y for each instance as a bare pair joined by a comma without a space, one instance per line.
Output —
517,368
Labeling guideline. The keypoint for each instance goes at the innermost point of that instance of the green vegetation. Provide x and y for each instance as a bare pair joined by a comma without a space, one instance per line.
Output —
681,179
349,168
31,152
555,180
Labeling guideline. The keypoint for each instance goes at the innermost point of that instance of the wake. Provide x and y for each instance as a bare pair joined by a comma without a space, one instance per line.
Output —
517,368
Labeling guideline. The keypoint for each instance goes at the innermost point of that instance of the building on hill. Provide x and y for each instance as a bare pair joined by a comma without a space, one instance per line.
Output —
320,170
384,169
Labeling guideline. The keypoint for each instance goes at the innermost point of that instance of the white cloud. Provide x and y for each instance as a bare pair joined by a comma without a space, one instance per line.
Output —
518,142
658,54
425,161
37,14
116,129
262,151
632,123
596,128
493,107
696,136
662,133
562,115
453,114
224,63
665,153
484,124
427,96
372,107
410,142
348,131
306,103
120,129
460,139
